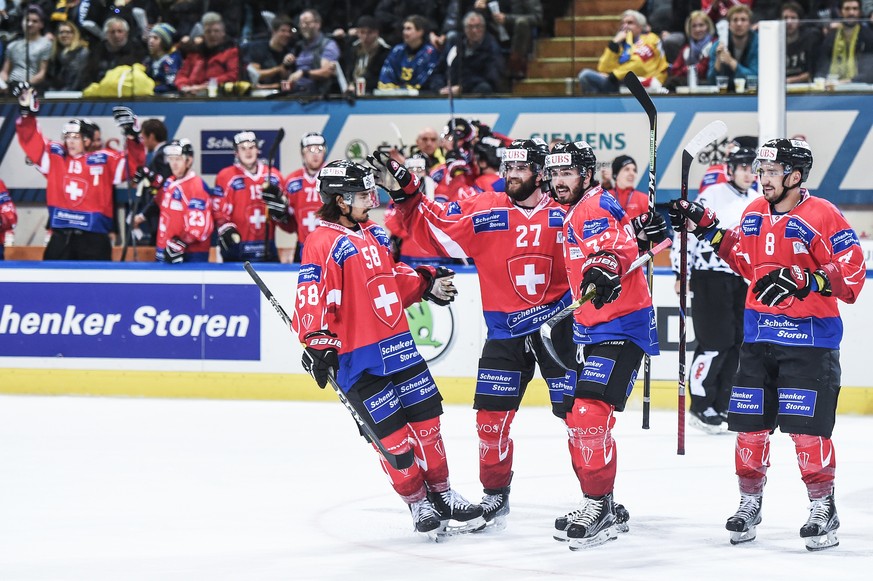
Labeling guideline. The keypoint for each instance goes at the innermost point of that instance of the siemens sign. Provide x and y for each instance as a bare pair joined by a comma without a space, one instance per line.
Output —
136,321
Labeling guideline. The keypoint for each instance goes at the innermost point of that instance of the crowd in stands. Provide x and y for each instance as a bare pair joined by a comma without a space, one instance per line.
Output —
302,47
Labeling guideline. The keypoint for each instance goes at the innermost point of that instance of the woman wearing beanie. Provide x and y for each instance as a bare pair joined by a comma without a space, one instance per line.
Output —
164,61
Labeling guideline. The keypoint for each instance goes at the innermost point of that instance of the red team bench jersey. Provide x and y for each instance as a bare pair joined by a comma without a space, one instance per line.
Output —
186,212
597,222
517,252
811,235
349,284
304,202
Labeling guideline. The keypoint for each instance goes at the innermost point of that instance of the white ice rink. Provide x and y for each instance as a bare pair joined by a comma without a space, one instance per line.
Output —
137,489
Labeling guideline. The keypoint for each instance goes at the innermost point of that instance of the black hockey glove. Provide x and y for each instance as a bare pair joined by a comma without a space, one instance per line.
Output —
781,283
174,253
602,272
229,238
320,356
144,174
276,203
399,182
126,120
650,227
440,284
703,220
28,103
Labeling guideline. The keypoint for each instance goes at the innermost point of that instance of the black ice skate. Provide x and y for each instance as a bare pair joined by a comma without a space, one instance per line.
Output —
495,504
744,523
451,506
424,516
820,530
562,523
595,525
709,421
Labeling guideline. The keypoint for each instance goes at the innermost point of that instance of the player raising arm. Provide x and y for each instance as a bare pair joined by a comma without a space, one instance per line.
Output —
350,317
801,256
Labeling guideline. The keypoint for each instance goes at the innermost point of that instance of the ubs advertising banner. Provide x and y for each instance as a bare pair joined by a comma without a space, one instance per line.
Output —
130,321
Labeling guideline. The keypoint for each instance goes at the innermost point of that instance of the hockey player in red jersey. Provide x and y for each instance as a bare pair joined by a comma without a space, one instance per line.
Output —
247,203
455,178
186,209
301,191
350,318
80,182
801,256
614,329
8,215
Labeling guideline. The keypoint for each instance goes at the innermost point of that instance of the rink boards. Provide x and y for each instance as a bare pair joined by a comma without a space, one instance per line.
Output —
205,331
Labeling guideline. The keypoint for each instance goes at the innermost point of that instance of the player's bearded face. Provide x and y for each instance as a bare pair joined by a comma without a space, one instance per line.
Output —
568,184
362,203
521,182
313,157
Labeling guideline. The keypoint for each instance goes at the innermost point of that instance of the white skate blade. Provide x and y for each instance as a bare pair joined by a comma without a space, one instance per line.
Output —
745,536
822,542
622,527
601,538
495,525
448,531
709,429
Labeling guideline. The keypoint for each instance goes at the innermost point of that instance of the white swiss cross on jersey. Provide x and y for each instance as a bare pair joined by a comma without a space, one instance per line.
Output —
74,190
386,302
531,275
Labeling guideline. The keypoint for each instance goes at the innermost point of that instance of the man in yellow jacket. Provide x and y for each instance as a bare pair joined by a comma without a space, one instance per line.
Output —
632,49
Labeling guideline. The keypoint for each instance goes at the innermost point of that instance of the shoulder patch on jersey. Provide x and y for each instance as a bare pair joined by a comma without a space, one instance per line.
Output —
844,239
797,228
556,218
309,273
494,221
594,227
611,205
571,235
343,250
381,236
751,225
438,174
238,183
218,191
294,186
197,204
453,209
5,197
177,193
96,159
57,149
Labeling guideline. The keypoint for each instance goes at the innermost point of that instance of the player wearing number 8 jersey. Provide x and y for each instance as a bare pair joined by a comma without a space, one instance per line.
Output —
350,317
801,256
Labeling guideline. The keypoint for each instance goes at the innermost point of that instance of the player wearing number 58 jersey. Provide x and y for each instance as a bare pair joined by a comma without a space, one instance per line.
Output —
801,256
350,317
515,238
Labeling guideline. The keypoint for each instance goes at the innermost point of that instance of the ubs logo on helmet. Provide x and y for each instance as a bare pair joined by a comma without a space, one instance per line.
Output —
432,328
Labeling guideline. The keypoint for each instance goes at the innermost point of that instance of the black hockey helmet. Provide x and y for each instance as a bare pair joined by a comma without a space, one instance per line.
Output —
530,151
741,156
576,154
179,147
344,178
793,154
490,150
83,127
460,130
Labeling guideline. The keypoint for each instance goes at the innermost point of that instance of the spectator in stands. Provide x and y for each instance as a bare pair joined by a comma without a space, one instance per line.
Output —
847,50
479,63
411,63
69,58
265,59
164,61
26,59
624,179
738,57
631,49
393,14
802,45
518,20
231,12
118,48
314,60
700,32
8,215
216,58
718,9
366,55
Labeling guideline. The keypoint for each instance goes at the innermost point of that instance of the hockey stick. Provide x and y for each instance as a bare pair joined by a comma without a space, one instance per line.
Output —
132,211
546,328
450,59
271,157
712,132
632,82
397,461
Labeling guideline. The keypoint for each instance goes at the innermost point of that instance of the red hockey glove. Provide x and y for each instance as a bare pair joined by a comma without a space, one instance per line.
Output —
781,283
440,284
229,238
398,181
28,104
174,253
703,220
320,356
602,270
